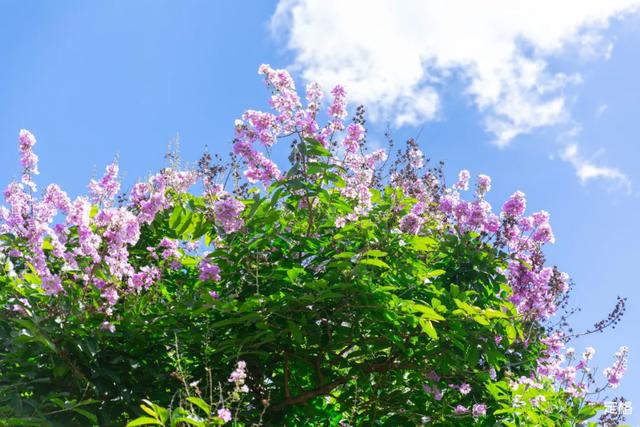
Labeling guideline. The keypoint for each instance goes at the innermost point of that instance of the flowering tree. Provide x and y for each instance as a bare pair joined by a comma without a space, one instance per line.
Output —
350,289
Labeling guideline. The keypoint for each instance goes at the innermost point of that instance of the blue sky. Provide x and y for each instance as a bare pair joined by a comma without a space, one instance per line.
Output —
95,80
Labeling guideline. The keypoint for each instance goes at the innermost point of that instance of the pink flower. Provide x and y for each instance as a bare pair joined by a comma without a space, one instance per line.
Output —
464,388
484,185
224,414
416,157
479,410
209,271
459,410
144,278
544,234
355,135
411,223
170,248
338,108
108,326
111,295
22,306
107,188
227,211
515,206
28,159
463,180
615,373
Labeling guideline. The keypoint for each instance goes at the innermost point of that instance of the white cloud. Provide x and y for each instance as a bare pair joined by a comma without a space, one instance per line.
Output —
601,110
395,57
587,170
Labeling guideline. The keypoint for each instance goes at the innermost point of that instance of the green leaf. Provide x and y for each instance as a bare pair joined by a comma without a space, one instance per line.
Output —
235,320
189,421
511,332
316,148
481,320
455,290
200,404
435,273
374,261
295,332
86,414
427,327
176,215
344,255
375,253
143,421
427,312
422,243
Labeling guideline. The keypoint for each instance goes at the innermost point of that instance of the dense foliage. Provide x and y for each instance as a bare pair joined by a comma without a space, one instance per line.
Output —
350,290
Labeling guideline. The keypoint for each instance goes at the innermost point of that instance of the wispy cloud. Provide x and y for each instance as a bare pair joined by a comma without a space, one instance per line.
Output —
587,170
395,58
601,110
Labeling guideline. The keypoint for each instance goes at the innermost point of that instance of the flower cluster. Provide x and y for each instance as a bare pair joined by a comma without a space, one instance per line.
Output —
615,372
93,242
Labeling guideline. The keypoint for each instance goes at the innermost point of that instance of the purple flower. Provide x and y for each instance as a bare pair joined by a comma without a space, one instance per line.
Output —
459,410
105,190
224,414
492,373
28,159
540,218
416,157
355,135
463,180
484,185
479,410
615,373
464,388
544,234
111,295
411,223
209,271
338,108
515,206
170,248
108,326
227,211
433,376
144,278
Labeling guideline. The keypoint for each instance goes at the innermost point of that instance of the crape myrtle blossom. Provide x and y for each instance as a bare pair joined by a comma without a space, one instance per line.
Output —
209,271
615,372
417,157
460,409
224,414
479,410
28,160
536,288
227,211
93,232
292,118
463,180
338,109
107,188
95,244
238,377
483,186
